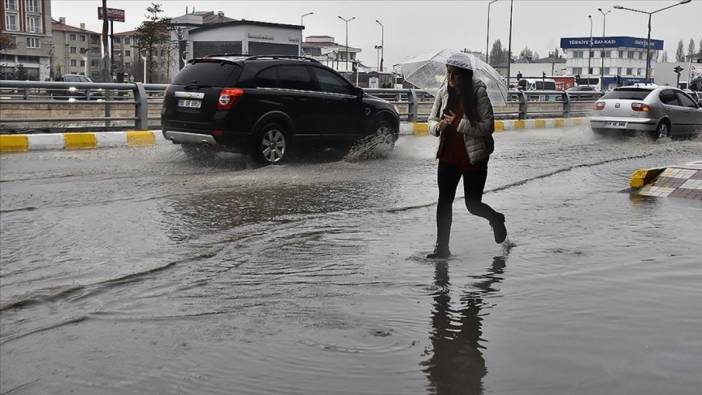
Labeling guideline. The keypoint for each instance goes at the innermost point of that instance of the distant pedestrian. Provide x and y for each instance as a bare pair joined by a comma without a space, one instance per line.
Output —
462,117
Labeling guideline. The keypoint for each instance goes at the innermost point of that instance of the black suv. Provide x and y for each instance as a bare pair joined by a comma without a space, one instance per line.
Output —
271,106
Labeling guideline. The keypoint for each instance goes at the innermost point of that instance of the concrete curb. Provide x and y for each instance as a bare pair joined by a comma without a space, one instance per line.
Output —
683,181
422,128
94,140
77,141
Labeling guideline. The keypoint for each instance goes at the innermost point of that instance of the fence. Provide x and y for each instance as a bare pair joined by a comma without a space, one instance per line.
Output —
27,106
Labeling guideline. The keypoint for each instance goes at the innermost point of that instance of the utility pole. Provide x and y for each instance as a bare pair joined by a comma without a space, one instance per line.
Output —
509,49
347,38
648,40
589,53
487,35
382,44
604,24
106,58
302,23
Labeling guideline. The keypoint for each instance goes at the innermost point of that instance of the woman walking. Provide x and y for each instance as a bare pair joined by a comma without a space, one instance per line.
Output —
462,118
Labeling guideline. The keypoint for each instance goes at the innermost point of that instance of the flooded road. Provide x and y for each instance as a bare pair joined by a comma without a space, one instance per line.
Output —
139,271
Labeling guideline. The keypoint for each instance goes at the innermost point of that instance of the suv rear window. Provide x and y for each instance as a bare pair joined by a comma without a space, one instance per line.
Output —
627,94
209,73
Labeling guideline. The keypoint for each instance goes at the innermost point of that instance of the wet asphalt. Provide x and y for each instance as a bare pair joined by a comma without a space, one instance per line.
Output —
141,271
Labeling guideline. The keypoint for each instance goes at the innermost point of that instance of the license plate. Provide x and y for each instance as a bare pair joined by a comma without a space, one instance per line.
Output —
189,103
615,124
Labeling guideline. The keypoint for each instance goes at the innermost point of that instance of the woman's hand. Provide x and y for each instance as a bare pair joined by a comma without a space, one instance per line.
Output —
446,119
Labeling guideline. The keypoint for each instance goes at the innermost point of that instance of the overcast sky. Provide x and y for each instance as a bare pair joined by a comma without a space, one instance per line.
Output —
417,27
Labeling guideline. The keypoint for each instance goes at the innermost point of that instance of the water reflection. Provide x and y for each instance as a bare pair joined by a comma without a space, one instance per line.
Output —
456,364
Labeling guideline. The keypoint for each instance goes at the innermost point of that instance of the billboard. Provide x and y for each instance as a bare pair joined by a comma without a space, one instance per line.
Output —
609,42
113,14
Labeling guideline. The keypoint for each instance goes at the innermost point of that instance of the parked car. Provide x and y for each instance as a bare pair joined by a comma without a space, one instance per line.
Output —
75,93
271,106
655,110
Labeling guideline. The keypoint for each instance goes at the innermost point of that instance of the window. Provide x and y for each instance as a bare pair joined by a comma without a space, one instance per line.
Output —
73,50
685,100
629,71
295,77
126,40
638,72
73,62
82,63
72,37
33,42
627,94
127,53
330,82
83,37
621,54
118,40
669,97
607,54
606,70
33,6
33,24
578,54
209,73
640,55
11,5
268,78
631,55
592,54
127,65
577,70
94,63
11,22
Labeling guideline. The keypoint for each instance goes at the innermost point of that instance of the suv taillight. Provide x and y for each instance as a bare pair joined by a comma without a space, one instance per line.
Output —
600,105
228,97
640,107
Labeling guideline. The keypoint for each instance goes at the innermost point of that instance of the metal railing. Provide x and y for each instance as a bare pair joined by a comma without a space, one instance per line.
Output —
27,106
60,106
415,105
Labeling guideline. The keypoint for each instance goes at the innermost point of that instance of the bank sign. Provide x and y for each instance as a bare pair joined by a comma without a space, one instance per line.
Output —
609,42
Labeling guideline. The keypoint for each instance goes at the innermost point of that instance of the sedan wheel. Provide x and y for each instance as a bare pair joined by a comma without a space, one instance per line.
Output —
663,130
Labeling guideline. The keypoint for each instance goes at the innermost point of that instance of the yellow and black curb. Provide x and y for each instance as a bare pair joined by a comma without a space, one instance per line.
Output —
77,140
422,128
93,140
683,181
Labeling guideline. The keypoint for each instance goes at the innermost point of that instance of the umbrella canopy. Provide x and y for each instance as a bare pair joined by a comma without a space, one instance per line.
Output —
429,72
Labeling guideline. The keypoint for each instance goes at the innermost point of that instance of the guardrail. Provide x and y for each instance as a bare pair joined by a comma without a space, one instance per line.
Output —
59,106
415,105
27,106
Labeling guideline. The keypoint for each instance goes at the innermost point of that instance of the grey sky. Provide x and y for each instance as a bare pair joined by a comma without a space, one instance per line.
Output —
417,27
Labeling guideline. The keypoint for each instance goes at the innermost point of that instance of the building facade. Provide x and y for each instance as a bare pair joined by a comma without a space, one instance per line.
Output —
75,51
618,59
27,26
205,33
327,52
128,60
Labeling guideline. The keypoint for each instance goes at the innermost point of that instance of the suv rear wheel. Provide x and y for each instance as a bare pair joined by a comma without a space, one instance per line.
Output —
272,144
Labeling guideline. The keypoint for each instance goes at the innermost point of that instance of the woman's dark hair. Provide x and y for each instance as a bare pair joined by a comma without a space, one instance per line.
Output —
463,91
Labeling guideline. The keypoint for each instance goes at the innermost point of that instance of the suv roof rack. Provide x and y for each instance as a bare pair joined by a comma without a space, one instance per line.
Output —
282,57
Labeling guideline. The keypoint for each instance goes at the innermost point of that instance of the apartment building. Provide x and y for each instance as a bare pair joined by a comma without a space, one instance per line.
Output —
76,50
27,24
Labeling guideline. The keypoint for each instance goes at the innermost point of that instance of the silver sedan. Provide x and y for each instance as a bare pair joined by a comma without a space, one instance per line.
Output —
655,110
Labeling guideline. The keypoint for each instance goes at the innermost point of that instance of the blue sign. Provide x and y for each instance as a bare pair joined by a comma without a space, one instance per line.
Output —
609,42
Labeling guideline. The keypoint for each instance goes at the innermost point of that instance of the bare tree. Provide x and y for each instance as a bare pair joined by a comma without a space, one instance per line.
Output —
680,52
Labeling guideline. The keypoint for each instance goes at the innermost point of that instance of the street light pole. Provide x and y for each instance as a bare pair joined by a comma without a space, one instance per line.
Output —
648,40
604,24
347,38
382,44
302,23
589,53
487,35
509,49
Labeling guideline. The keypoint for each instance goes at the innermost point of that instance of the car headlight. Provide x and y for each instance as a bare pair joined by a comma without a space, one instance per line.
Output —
72,89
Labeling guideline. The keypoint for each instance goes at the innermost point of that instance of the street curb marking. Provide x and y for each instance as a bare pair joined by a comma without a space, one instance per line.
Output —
683,181
140,139
77,141
14,143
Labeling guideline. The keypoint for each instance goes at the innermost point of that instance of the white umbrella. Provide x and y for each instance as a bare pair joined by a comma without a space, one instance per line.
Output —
430,73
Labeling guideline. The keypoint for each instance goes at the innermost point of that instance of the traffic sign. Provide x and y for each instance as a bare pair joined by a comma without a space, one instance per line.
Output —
113,14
